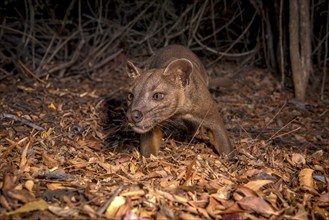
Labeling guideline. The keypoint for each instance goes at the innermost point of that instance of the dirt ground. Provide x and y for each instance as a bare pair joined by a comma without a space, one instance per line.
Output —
66,152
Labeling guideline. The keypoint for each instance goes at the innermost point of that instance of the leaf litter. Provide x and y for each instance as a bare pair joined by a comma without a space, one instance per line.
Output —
66,152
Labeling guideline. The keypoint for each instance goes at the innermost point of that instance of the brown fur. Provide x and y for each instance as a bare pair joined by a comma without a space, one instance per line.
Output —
173,87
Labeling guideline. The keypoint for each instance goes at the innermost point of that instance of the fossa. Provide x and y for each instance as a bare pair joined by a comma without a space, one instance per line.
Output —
173,87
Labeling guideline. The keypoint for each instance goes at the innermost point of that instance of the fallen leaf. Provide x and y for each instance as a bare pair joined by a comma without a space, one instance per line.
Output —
20,195
300,138
257,184
25,88
257,204
105,166
306,180
112,209
54,186
49,161
131,214
188,216
52,106
39,204
242,192
252,172
9,182
324,198
321,211
170,184
91,212
135,193
223,192
233,216
318,154
172,197
23,158
63,212
29,185
198,211
298,159
46,134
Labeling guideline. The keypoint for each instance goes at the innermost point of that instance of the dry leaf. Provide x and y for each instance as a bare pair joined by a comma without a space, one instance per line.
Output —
31,206
257,204
242,192
63,212
49,161
257,184
252,172
318,154
135,193
52,106
300,138
170,184
91,212
198,211
172,197
223,192
29,185
54,186
106,166
131,214
298,159
319,168
25,88
9,182
23,158
46,134
188,216
113,208
21,195
324,198
306,180
320,211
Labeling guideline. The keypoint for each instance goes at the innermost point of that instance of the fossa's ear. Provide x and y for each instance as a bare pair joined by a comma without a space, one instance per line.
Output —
179,71
132,70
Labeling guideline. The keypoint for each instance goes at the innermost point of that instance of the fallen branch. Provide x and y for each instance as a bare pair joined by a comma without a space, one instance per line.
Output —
22,120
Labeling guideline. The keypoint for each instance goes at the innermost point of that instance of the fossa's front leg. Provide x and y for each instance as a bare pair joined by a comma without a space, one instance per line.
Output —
151,142
218,136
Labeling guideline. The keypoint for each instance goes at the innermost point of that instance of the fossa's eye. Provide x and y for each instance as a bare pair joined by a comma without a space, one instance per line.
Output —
130,96
158,96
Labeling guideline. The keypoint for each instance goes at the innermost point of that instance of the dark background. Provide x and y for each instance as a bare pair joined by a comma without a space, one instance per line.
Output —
61,38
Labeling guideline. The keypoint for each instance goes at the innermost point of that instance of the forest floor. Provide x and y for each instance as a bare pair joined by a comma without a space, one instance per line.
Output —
66,152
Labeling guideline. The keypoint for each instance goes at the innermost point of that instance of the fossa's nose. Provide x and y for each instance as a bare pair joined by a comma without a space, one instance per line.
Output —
135,116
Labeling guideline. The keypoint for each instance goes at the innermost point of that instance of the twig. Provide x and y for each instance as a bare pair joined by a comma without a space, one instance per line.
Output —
281,45
226,52
22,120
196,26
273,136
213,34
27,70
281,135
60,46
270,121
108,59
238,39
71,62
41,65
325,61
20,32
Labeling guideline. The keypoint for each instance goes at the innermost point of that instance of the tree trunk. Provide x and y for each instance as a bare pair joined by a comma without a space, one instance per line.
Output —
300,45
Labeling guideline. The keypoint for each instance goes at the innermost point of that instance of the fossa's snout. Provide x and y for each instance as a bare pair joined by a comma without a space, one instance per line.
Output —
135,116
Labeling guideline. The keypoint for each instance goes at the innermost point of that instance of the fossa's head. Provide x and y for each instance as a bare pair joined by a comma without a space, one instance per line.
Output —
156,94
